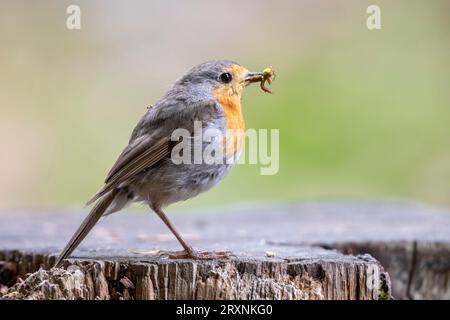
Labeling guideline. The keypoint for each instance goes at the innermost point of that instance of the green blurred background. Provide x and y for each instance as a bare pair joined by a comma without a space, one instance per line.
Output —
362,114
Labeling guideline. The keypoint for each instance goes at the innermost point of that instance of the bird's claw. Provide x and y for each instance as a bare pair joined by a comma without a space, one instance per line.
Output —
196,255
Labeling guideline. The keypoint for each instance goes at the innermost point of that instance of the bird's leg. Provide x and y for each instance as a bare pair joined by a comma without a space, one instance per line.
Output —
187,248
188,252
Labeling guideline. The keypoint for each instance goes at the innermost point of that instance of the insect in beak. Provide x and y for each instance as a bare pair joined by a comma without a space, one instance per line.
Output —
267,75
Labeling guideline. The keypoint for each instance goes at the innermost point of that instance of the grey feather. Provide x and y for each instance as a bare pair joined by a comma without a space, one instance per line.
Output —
86,226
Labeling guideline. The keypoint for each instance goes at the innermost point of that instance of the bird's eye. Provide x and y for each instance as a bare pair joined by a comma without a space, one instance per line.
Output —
226,77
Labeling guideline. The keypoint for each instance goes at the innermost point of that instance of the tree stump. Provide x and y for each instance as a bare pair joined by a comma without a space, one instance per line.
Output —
299,251
295,273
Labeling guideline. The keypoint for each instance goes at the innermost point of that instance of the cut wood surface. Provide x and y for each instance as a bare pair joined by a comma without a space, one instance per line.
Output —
279,252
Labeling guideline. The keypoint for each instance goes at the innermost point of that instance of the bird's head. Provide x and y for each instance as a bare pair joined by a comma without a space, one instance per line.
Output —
221,78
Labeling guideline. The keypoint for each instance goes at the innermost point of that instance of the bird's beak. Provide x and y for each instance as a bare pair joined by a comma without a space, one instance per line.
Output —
252,77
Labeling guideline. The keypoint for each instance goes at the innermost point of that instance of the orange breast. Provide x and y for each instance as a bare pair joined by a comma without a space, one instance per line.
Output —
231,105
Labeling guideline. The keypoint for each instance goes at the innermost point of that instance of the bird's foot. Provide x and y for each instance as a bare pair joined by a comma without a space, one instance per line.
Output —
196,255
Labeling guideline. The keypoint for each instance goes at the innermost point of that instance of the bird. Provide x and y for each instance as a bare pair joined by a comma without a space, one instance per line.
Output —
209,94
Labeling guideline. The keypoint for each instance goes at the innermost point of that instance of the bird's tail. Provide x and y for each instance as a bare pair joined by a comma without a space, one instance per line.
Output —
89,222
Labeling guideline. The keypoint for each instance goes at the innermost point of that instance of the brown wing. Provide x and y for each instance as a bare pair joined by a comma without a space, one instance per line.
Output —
131,151
143,153
148,144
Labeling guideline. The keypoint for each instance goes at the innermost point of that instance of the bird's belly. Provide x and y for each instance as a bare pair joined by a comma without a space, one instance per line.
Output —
169,183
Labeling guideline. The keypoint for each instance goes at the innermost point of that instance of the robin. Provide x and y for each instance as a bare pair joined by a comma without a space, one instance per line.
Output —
210,93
